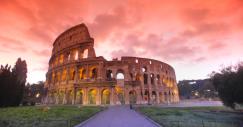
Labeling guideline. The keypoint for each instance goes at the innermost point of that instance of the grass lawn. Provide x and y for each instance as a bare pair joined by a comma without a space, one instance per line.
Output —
194,116
54,116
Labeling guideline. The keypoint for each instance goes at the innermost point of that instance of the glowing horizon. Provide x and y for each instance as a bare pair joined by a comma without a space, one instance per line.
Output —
195,37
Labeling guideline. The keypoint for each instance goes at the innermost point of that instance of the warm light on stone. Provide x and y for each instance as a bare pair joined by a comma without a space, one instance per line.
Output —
77,76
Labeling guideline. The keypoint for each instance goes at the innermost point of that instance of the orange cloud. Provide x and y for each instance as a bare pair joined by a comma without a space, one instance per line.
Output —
188,34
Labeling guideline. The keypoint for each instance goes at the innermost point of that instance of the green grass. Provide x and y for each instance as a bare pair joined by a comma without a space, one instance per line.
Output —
61,116
193,116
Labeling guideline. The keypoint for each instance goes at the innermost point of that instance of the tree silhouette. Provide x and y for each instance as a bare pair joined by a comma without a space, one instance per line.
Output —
229,84
12,82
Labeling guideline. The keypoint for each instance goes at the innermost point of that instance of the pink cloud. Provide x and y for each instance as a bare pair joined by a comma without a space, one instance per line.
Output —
171,31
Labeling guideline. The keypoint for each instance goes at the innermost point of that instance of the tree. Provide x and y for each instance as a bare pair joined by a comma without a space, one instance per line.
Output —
12,83
229,84
207,89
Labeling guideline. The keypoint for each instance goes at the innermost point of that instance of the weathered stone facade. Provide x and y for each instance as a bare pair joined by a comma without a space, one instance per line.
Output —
77,76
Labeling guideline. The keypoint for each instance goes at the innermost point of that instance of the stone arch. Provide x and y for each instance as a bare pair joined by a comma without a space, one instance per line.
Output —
160,97
68,56
132,97
158,79
154,97
72,73
64,74
105,96
146,96
138,77
53,77
120,78
52,98
69,95
152,78
165,96
61,59
79,96
145,79
92,93
82,73
144,69
60,96
120,74
93,73
120,94
85,53
136,60
56,60
58,76
109,75
131,76
76,55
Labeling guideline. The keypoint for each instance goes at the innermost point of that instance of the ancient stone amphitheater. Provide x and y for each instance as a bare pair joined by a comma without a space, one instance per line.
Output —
77,76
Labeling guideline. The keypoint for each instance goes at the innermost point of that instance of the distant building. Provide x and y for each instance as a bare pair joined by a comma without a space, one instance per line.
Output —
77,76
192,89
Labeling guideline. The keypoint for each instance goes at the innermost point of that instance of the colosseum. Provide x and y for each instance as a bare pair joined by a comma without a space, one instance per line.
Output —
77,76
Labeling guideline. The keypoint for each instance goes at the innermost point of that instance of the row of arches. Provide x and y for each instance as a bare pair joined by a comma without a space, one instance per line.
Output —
80,96
93,97
75,54
70,74
162,67
119,74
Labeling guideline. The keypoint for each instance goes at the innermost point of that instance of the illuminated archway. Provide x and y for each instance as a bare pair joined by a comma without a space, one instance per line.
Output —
161,97
132,97
85,54
82,73
154,96
146,96
120,94
64,74
92,96
79,97
105,96
60,97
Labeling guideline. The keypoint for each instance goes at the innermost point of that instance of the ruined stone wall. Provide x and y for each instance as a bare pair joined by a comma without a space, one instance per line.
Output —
76,76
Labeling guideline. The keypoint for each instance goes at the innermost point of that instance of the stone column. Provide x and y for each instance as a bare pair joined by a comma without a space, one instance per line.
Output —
98,97
74,96
64,98
68,75
87,71
85,96
149,89
138,96
112,96
99,71
142,87
156,88
76,74
79,54
126,96
157,96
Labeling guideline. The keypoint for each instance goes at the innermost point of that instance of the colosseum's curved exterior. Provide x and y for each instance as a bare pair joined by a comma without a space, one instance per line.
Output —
77,76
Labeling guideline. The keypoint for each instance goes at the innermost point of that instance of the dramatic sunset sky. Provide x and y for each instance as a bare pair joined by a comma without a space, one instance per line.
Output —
195,37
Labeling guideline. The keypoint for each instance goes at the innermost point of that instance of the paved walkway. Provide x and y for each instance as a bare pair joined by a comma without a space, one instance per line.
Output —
118,116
